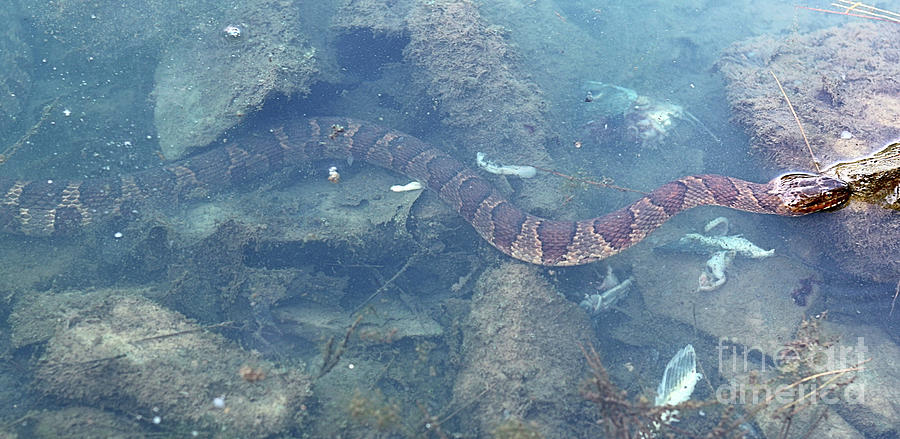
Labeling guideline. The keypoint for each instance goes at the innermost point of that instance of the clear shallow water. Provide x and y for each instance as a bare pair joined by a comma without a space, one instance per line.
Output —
444,343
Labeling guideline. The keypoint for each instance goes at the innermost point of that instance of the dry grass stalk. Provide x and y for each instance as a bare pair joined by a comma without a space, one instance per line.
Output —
802,132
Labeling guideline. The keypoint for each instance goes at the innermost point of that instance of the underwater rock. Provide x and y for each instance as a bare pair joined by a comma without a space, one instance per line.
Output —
359,215
88,423
522,343
472,71
36,317
392,322
482,90
15,81
240,258
750,376
752,309
871,404
863,407
643,121
127,353
205,86
371,16
847,82
109,31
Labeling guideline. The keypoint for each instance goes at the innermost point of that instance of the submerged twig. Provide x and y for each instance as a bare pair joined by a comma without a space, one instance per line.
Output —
27,416
603,184
702,126
177,333
464,406
332,355
387,283
45,113
88,363
791,106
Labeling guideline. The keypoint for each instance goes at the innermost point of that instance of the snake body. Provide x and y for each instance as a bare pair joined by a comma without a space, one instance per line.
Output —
47,207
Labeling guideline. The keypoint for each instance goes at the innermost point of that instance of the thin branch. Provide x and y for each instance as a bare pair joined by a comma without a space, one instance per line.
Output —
186,331
791,106
816,390
386,284
8,152
855,368
590,182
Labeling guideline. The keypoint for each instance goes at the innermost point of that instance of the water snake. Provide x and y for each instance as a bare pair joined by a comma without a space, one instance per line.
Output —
48,207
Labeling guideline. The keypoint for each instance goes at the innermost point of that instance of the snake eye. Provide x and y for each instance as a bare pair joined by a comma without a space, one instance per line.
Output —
807,193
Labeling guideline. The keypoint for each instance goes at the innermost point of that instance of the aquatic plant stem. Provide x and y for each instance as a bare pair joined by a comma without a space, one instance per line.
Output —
386,284
45,113
331,355
590,182
813,392
765,403
187,331
791,106
702,126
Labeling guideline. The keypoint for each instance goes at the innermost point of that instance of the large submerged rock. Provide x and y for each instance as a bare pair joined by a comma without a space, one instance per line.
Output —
753,308
842,82
479,83
475,78
205,86
15,82
121,351
521,355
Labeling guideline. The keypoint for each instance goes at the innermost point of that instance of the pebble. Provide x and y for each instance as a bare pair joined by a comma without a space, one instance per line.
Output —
846,135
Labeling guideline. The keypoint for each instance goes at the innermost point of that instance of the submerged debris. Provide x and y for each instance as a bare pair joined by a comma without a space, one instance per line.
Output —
679,378
494,168
713,275
643,120
721,248
610,291
736,243
411,186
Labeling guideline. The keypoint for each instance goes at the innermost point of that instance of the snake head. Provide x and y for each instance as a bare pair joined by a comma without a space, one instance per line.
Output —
803,193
